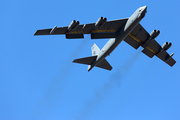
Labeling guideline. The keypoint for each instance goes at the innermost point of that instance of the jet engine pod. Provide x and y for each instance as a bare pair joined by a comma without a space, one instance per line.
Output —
101,21
166,46
74,24
154,34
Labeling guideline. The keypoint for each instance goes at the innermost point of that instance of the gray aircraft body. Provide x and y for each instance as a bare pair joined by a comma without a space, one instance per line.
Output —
128,29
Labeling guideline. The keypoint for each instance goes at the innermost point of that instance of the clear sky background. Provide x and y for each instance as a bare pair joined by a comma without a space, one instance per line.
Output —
38,80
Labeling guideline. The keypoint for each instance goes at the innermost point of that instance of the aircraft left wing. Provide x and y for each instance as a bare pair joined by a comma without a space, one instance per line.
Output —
140,37
101,29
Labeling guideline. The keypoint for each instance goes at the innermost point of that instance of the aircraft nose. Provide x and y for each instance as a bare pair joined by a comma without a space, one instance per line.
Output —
143,12
145,8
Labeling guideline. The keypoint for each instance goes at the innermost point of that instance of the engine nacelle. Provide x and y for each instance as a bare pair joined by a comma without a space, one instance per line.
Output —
74,24
166,46
154,34
101,21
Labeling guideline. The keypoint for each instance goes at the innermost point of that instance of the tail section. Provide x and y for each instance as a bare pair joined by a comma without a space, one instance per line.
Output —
104,64
95,49
92,60
86,60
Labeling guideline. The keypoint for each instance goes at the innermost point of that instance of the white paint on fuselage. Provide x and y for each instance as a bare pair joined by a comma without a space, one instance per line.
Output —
131,23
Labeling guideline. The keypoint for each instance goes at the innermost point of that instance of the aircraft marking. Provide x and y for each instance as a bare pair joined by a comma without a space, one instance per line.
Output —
135,38
150,49
140,42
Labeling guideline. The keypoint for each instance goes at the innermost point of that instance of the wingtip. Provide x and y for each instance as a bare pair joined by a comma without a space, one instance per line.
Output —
74,61
35,33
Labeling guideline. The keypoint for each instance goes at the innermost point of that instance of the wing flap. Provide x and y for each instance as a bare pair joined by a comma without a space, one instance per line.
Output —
103,35
151,48
148,52
154,45
73,36
132,42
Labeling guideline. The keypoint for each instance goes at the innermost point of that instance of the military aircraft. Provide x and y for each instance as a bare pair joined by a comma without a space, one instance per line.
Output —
127,29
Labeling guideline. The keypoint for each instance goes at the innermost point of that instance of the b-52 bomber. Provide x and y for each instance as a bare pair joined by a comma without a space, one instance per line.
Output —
127,29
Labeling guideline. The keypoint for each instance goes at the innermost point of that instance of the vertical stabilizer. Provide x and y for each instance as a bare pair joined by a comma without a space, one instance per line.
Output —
95,50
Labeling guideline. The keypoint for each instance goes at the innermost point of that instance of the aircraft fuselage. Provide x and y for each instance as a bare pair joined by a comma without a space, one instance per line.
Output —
131,23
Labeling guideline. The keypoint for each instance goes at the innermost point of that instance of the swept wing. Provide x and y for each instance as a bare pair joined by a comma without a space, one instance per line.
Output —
108,30
140,37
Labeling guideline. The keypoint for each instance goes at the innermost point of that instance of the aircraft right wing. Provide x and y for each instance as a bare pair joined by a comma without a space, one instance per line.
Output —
140,37
98,30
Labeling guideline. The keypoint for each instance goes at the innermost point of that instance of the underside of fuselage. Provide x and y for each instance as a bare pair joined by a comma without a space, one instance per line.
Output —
99,60
127,29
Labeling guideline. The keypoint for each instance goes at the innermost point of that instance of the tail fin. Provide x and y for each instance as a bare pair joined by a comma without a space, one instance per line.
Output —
91,61
95,50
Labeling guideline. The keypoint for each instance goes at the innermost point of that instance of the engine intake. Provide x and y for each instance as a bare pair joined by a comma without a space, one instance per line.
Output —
74,24
154,34
101,21
166,46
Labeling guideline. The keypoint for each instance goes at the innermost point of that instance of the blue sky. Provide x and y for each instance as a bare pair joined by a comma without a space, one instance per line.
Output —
38,80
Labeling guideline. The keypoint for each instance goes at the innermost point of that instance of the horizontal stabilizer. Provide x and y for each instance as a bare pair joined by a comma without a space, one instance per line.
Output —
86,60
104,64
